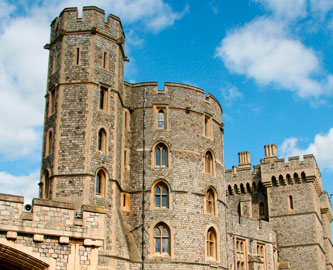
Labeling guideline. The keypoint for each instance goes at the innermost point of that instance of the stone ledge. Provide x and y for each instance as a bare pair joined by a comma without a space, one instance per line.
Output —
93,208
11,198
55,204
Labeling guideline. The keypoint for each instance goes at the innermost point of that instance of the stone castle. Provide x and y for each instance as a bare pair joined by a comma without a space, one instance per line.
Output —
133,177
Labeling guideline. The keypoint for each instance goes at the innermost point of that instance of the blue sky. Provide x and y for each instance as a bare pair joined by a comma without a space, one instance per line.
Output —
269,63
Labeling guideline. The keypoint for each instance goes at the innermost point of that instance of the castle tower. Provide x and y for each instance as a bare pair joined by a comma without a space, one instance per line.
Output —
184,176
83,110
298,210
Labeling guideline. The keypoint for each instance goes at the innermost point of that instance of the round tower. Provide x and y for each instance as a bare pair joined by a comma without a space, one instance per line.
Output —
184,176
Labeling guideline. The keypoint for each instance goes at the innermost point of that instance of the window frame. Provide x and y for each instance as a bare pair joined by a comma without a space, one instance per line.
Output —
209,163
164,110
211,243
160,239
210,199
102,140
161,185
101,186
161,148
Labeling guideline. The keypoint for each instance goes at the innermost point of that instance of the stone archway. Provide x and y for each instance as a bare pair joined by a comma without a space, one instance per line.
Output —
13,259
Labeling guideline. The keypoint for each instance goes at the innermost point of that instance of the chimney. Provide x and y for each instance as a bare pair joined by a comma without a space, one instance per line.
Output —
270,151
244,159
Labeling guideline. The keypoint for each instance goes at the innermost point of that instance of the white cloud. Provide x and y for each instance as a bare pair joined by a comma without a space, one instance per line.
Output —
321,7
263,51
286,9
231,94
23,61
26,185
321,147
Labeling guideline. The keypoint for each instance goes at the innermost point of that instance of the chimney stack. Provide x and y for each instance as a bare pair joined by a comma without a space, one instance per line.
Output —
244,159
270,151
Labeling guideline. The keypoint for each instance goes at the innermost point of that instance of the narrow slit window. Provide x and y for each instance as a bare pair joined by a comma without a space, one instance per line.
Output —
52,101
101,144
103,98
77,56
105,60
161,155
211,243
291,202
100,183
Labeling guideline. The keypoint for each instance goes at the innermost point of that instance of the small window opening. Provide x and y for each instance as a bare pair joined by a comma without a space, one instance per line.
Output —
102,98
161,119
101,140
291,202
77,56
105,59
52,101
161,155
161,195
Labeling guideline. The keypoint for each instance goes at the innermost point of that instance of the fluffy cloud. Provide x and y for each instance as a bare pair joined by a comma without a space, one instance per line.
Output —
321,147
321,7
26,185
263,51
231,94
286,9
23,62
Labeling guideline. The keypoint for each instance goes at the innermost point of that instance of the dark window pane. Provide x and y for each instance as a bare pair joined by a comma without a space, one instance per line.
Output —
164,201
158,157
157,201
157,232
164,191
157,245
165,245
165,232
164,157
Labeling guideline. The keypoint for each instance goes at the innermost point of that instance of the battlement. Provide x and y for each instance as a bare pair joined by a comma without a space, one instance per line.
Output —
92,20
52,218
176,95
272,171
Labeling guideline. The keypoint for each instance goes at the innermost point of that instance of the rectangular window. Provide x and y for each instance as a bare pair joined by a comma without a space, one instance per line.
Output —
51,101
54,63
161,117
261,253
105,60
241,254
77,56
103,98
125,201
208,127
126,159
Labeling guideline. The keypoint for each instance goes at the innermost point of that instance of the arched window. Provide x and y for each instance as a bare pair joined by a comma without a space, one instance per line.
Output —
289,179
303,177
274,181
161,119
161,239
281,180
100,183
209,163
211,243
48,186
161,195
254,186
210,202
48,147
242,188
296,179
236,189
161,155
101,143
103,98
291,202
262,212
229,190
248,188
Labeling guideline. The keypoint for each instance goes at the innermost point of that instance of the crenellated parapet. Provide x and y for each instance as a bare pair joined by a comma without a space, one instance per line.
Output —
278,172
52,219
178,96
92,21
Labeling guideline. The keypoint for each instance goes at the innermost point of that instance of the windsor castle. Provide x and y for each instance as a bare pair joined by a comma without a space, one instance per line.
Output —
133,177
